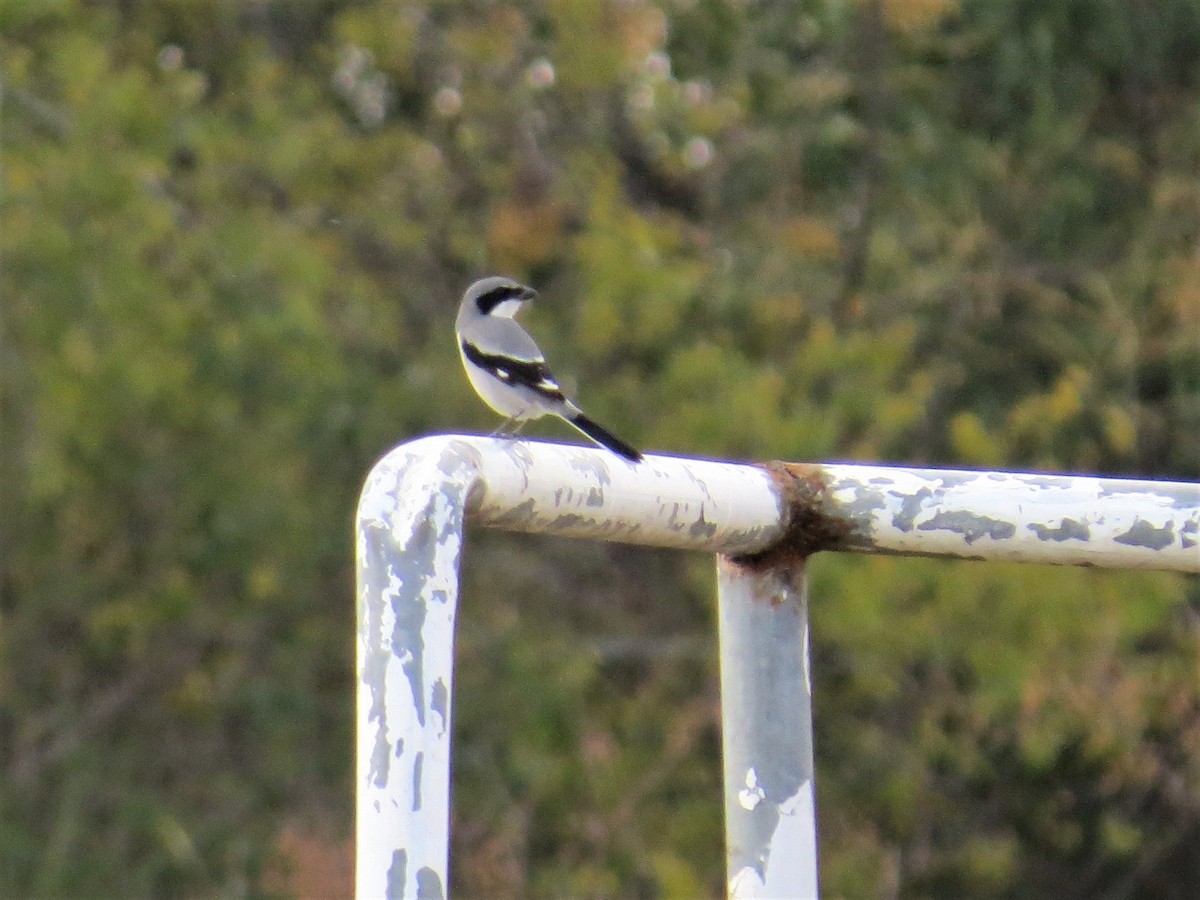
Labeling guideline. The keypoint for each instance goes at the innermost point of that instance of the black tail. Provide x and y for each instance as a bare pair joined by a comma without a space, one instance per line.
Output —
605,438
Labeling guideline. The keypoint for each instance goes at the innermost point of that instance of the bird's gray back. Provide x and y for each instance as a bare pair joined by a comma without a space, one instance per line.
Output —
501,337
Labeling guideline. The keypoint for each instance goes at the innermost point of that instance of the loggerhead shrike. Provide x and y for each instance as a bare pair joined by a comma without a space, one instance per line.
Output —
507,369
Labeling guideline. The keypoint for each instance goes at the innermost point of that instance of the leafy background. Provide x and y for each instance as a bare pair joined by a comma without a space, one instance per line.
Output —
233,237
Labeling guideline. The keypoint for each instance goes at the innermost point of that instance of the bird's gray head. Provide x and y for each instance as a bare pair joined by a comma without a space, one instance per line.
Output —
496,296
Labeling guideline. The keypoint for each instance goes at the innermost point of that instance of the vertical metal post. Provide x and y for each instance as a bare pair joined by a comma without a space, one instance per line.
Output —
410,532
766,713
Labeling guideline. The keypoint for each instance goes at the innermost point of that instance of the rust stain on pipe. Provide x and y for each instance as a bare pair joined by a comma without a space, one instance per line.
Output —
808,529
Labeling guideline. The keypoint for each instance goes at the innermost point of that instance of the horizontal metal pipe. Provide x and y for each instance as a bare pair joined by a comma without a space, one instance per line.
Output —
577,491
792,509
1063,519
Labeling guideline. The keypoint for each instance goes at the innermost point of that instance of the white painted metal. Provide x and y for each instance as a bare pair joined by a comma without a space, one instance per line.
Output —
581,491
766,717
410,523
410,528
1063,519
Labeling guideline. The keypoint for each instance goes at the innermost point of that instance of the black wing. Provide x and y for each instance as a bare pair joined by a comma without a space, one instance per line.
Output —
529,373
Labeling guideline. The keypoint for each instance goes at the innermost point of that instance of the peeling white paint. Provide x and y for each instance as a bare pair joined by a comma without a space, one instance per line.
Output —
1063,519
409,538
799,803
411,516
790,874
766,720
748,883
751,795
664,501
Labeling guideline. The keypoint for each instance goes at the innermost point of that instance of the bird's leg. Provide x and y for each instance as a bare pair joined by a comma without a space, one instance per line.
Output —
510,427
502,428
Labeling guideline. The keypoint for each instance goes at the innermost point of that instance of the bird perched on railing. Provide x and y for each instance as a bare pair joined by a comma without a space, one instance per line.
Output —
507,369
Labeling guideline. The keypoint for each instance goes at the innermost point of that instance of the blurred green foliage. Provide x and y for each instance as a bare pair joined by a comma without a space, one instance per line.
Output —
232,239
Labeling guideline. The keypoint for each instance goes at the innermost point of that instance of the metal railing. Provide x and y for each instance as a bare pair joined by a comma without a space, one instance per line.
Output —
763,522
